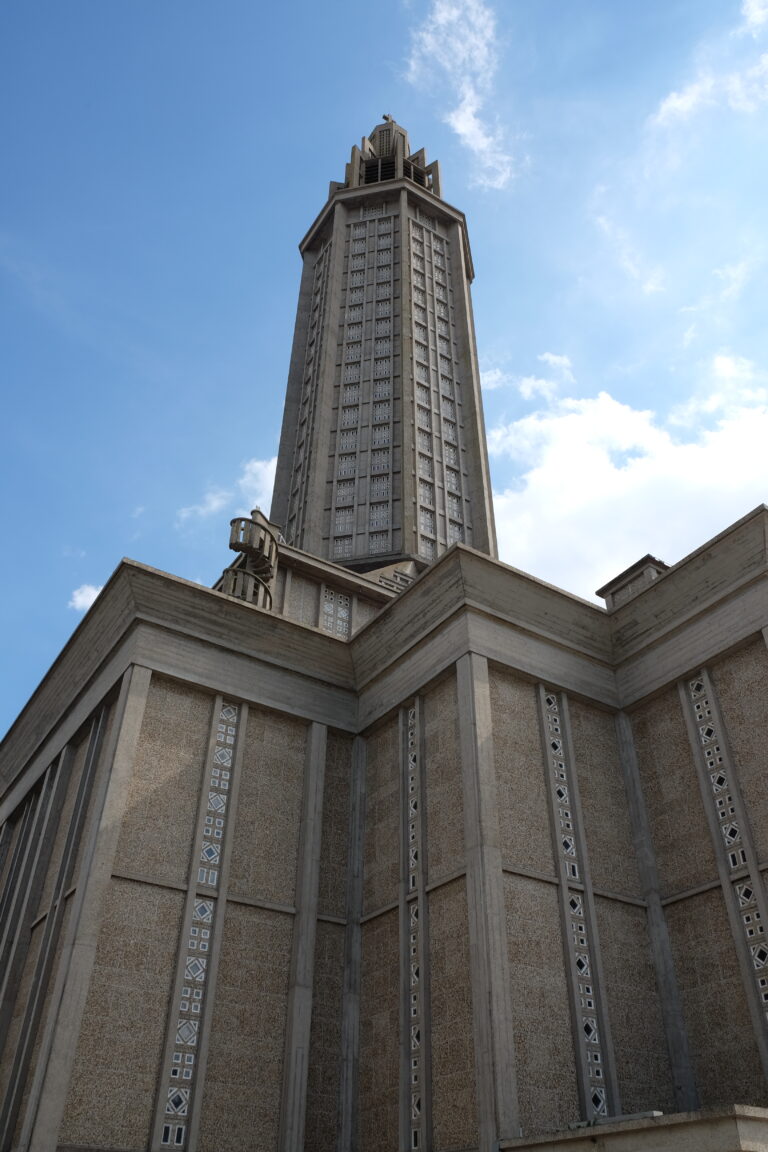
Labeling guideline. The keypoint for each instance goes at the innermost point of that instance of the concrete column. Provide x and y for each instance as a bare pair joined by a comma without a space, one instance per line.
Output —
296,1064
51,1082
498,1116
684,1081
350,1009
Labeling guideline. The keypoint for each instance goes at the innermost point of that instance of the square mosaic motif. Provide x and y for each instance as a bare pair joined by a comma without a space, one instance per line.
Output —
568,840
198,936
746,889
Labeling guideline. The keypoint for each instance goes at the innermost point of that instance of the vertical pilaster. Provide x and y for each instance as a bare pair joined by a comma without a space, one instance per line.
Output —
684,1081
296,1064
48,1092
498,1116
415,1110
350,1007
177,1114
737,864
598,1088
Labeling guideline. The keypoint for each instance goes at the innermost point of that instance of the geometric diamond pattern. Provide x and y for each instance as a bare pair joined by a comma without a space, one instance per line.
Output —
186,1031
569,848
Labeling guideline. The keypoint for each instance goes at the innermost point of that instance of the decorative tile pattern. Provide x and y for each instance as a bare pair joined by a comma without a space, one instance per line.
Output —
336,613
589,1047
198,935
414,897
746,887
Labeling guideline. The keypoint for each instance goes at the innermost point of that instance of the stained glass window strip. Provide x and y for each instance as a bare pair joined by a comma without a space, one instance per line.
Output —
187,1018
582,971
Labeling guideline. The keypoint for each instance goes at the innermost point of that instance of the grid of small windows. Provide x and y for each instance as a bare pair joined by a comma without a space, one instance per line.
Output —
380,487
371,246
379,515
336,612
430,287
344,520
312,358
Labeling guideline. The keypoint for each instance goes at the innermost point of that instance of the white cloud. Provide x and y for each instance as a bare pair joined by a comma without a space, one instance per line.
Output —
457,41
755,14
561,364
82,597
493,378
603,483
214,500
256,482
734,277
531,386
681,105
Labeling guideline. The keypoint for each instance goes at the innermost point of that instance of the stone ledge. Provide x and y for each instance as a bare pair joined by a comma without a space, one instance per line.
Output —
738,1128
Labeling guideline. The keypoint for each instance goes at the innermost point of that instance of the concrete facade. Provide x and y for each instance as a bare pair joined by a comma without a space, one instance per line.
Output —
398,860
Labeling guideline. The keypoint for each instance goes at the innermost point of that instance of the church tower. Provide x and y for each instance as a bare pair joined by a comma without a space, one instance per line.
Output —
382,453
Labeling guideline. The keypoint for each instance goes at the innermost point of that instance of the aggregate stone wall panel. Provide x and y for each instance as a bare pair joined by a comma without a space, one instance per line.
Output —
265,843
157,829
544,1051
723,1048
454,1096
679,829
640,1047
119,1050
334,843
526,841
380,1034
381,874
741,683
241,1096
442,768
605,812
325,1040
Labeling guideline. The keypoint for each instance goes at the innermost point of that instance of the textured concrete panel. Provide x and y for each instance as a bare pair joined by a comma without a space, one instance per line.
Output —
526,841
545,1059
381,874
454,1096
634,1011
161,807
605,812
723,1048
380,1034
325,1040
679,828
266,834
442,772
741,683
119,1050
334,844
241,1096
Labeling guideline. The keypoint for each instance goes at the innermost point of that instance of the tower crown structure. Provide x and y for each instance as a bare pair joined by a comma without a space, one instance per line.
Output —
382,454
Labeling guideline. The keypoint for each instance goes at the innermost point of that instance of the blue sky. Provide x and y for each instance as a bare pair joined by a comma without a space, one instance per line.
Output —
161,163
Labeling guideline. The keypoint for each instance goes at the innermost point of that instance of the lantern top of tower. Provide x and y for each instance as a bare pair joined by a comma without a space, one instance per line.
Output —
385,154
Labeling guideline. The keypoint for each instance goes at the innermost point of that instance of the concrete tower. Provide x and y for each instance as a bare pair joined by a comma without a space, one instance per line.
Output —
382,453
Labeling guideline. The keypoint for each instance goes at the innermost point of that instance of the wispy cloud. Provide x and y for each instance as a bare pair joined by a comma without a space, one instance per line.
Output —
457,42
82,597
253,487
650,279
214,500
493,378
561,365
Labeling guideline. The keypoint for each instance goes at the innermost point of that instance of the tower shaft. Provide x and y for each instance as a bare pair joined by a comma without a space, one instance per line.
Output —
382,453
